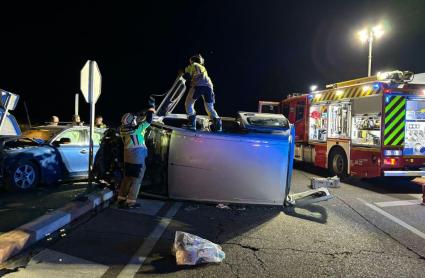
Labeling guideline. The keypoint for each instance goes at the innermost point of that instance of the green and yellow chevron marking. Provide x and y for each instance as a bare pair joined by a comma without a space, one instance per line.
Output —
395,112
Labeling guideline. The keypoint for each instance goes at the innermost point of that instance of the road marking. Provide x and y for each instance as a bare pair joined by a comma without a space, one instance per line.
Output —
394,219
398,203
142,253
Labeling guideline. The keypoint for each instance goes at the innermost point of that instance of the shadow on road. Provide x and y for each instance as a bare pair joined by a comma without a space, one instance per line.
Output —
315,213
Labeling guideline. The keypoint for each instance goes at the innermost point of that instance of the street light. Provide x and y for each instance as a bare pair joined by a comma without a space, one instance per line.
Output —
313,88
369,34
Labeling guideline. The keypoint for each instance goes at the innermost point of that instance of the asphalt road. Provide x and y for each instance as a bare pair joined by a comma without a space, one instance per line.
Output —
369,229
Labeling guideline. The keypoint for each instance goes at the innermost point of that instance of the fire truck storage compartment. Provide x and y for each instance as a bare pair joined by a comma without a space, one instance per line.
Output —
366,121
414,143
339,119
318,122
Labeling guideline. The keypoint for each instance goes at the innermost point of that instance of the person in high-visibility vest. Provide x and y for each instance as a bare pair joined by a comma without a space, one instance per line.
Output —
200,86
132,132
98,122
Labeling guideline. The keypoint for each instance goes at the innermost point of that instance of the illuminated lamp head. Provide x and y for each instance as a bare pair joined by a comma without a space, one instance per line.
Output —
376,86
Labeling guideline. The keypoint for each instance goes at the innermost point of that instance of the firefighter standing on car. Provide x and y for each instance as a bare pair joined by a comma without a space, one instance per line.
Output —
132,133
200,86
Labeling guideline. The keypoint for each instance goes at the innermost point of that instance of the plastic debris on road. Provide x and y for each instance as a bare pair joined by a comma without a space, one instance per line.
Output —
325,182
191,250
222,206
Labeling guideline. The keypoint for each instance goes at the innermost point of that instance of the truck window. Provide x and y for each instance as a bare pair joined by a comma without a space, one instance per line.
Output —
285,110
299,112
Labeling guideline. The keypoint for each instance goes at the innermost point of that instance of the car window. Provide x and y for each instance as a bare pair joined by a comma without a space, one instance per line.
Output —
268,121
97,137
76,136
39,133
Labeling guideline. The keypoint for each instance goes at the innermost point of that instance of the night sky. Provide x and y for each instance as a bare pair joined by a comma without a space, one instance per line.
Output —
253,49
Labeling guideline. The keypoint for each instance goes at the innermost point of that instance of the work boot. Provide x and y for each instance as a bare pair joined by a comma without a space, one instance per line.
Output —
218,125
192,122
133,206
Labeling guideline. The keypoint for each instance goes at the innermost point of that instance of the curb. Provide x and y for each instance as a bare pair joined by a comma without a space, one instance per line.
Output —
11,243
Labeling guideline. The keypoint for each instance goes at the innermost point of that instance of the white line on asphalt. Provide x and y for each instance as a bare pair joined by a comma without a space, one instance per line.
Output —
141,254
398,203
393,218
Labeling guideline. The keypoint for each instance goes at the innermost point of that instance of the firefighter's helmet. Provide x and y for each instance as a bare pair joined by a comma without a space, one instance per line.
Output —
197,59
128,119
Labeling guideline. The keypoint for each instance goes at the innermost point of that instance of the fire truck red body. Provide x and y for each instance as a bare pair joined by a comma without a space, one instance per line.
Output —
368,127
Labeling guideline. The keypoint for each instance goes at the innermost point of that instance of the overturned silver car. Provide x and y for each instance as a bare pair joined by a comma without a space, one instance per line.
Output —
249,162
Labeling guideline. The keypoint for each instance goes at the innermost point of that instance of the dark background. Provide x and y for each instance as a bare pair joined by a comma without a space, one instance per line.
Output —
253,49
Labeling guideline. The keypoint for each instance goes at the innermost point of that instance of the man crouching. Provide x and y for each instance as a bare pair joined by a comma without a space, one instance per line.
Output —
132,132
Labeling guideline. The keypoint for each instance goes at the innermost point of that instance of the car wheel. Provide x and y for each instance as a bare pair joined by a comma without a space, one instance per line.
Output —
338,163
23,176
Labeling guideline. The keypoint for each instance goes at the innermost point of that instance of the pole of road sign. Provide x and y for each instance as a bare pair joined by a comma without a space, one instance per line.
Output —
91,101
91,82
76,105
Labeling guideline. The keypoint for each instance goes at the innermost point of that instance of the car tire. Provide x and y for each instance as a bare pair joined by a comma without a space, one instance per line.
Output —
23,176
337,164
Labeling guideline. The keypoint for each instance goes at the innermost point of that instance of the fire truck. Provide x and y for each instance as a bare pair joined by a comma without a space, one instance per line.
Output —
367,127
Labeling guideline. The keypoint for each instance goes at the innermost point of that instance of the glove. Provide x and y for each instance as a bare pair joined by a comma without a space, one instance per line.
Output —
151,102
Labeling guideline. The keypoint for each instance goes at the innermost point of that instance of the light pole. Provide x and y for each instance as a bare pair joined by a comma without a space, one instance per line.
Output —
369,34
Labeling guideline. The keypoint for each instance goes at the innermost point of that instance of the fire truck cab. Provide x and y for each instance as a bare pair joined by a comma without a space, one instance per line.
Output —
367,127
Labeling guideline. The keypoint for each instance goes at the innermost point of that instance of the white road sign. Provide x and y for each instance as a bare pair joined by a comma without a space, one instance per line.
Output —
91,81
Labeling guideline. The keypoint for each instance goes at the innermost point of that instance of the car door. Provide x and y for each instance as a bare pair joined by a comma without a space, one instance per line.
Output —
75,155
97,138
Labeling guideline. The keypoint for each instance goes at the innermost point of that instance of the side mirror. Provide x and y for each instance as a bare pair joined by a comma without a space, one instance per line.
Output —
62,141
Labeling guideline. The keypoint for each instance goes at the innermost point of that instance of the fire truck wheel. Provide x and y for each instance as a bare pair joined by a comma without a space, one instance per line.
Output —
338,163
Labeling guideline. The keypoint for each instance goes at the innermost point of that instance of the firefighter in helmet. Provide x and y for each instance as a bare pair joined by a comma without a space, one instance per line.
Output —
200,86
132,132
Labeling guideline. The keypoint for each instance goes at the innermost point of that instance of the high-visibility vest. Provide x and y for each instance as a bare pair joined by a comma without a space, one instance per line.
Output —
199,75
